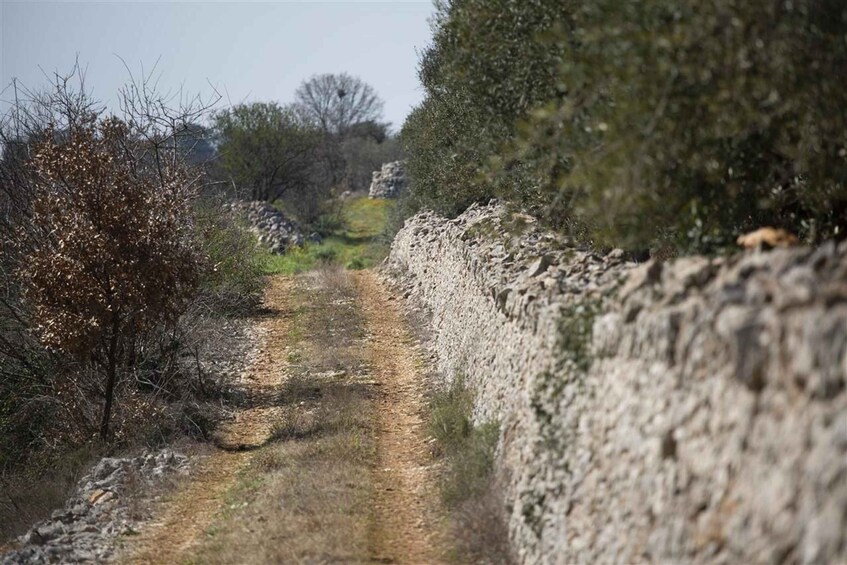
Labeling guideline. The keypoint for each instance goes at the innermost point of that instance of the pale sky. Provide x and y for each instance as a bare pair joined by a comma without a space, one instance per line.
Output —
249,51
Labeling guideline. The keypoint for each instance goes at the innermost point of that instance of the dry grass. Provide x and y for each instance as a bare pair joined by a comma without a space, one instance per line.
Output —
469,486
185,404
31,494
304,497
27,499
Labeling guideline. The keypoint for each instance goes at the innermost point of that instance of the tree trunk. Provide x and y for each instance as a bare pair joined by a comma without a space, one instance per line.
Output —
111,377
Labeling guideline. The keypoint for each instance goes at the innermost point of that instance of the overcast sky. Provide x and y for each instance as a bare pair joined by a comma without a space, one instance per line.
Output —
249,51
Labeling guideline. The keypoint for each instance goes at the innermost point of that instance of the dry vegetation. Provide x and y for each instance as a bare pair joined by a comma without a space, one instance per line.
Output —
469,488
113,294
305,496
30,495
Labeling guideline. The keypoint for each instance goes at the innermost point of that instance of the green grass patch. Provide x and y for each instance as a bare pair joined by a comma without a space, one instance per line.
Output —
357,244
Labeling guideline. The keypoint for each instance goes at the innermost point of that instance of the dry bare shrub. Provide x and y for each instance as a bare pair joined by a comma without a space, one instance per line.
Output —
480,528
79,197
110,255
26,497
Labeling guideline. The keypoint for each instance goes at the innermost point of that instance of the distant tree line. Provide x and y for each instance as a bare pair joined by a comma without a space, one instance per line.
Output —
642,124
328,141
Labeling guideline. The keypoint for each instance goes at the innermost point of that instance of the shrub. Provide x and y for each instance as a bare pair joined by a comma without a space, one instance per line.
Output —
326,254
689,123
266,149
468,486
82,199
232,281
485,69
468,448
443,160
110,256
639,124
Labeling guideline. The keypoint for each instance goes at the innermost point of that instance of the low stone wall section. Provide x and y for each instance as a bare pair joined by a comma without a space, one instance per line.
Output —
686,411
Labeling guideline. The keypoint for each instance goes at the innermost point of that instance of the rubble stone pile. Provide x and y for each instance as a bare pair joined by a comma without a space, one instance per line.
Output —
272,228
98,513
389,181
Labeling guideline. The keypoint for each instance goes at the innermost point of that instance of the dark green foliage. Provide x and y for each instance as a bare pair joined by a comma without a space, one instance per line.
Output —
691,122
266,149
364,151
487,66
443,160
636,123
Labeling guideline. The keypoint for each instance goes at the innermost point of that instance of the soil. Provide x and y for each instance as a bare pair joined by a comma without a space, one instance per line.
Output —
186,516
405,526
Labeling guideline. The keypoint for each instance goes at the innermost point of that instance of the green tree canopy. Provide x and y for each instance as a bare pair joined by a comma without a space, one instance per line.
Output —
265,148
638,123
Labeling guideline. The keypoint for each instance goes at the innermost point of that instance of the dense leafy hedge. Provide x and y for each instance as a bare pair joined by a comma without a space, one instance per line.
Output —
479,80
639,123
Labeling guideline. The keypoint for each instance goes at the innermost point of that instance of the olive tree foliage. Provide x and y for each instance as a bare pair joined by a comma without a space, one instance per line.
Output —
639,123
265,148
687,123
486,67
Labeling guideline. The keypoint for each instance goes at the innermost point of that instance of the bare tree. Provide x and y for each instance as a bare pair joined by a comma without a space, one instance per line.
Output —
336,102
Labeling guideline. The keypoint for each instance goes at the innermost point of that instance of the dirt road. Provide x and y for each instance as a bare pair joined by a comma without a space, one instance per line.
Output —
399,504
405,525
185,517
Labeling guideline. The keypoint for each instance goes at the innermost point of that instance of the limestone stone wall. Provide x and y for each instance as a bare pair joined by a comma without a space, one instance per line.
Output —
688,411
389,181
272,229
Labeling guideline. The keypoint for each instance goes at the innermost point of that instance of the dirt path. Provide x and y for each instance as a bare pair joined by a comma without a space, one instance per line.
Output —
406,528
171,538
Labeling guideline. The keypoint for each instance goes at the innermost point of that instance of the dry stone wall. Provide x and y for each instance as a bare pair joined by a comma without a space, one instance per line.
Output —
688,411
100,512
270,226
389,181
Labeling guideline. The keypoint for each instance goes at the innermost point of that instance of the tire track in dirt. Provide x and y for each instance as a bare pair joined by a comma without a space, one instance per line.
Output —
188,514
406,526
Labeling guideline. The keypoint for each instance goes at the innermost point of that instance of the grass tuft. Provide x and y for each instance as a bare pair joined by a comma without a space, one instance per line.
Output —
468,485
